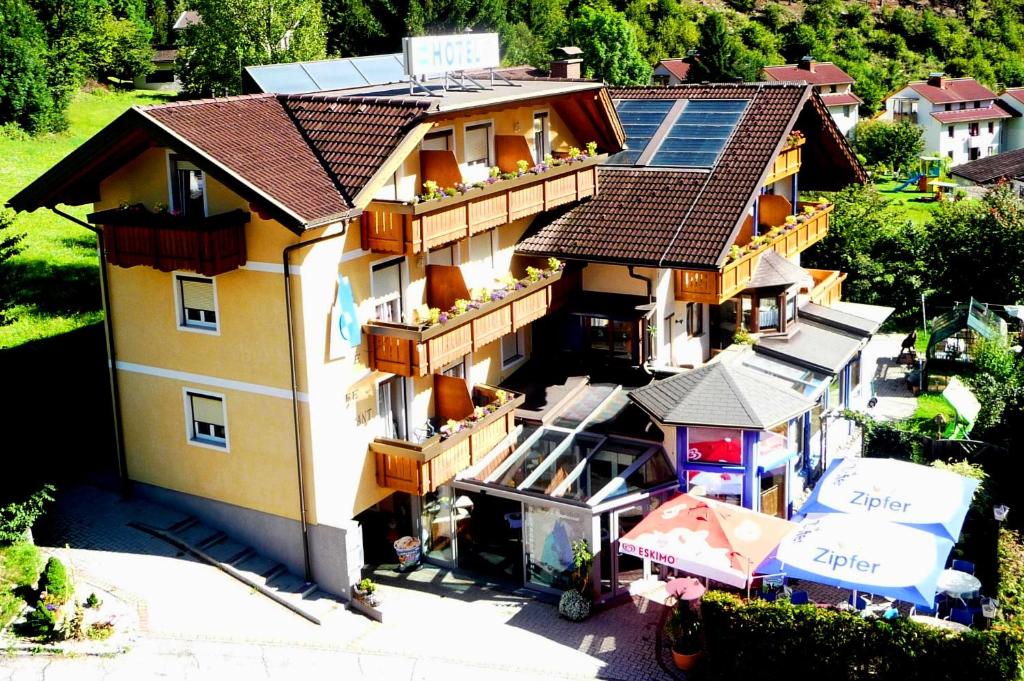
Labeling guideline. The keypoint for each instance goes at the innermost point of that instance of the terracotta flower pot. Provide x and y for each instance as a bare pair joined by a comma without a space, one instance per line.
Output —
686,662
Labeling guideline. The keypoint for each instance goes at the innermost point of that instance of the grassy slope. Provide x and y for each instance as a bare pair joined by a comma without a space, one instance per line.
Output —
57,266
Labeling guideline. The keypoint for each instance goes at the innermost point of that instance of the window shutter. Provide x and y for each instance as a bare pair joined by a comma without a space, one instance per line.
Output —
207,409
477,147
197,295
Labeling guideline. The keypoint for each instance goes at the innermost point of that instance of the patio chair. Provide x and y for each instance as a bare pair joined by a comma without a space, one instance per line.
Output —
770,596
963,566
798,598
961,616
862,601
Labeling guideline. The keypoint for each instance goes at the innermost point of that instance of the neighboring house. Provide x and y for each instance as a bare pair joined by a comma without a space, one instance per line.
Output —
1008,167
961,118
831,82
1013,100
672,71
162,77
189,17
317,361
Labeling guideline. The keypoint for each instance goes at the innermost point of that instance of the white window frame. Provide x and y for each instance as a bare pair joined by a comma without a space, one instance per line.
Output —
492,159
447,130
190,435
538,157
403,274
507,363
407,397
179,305
171,179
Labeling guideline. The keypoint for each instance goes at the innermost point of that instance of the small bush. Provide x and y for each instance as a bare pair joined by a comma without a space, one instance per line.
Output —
55,582
10,605
41,622
100,631
93,601
574,606
20,564
17,518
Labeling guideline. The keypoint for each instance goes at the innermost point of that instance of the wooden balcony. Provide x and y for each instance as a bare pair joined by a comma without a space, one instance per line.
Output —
786,163
707,286
418,468
409,350
208,245
828,286
395,227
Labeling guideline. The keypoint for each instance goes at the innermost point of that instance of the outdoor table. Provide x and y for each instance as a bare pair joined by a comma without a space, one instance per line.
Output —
939,624
957,583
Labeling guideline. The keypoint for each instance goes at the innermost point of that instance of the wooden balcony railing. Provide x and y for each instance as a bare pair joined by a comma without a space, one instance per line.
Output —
409,350
209,245
828,286
786,163
706,286
418,468
395,227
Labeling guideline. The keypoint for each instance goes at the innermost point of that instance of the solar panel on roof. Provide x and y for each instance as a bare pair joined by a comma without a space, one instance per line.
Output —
640,119
283,78
335,74
699,133
386,68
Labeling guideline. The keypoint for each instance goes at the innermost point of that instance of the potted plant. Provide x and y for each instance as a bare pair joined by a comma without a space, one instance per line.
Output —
575,603
366,591
685,631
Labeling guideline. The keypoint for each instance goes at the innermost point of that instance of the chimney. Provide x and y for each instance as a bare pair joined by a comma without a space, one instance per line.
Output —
568,62
937,80
807,63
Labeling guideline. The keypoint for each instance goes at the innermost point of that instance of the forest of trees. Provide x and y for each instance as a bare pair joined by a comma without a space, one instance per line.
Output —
48,48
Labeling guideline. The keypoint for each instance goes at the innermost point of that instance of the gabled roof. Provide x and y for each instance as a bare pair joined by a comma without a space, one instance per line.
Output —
189,17
278,152
824,73
669,217
982,113
954,90
1016,95
1009,164
840,98
165,56
680,67
720,395
973,315
773,270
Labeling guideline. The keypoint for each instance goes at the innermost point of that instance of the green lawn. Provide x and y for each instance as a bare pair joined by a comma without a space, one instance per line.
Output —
918,206
56,270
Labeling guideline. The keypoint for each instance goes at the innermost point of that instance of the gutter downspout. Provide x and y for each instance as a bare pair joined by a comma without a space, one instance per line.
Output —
108,327
650,298
285,259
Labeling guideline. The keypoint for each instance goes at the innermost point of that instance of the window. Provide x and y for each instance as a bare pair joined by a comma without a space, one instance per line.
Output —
991,127
973,154
659,79
206,419
963,105
977,104
438,141
542,135
456,369
478,151
972,129
694,319
991,151
513,348
481,252
443,256
949,107
386,283
949,153
197,303
161,76
846,110
832,88
768,313
950,130
391,407
188,188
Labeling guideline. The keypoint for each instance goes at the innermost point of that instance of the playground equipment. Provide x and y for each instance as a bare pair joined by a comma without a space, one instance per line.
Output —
931,169
913,179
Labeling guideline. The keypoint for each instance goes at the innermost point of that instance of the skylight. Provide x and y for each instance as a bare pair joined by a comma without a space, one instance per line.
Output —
677,133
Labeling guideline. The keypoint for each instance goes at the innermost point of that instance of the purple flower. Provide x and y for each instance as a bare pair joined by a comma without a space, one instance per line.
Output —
520,285
497,294
442,318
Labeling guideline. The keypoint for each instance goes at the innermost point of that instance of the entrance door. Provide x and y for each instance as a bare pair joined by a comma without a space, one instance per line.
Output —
548,535
627,569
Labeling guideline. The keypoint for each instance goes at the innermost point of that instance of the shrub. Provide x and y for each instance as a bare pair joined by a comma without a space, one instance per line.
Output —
41,622
1011,583
17,518
777,638
574,606
21,564
10,605
55,582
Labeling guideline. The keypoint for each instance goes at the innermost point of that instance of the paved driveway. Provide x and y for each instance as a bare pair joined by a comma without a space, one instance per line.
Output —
195,622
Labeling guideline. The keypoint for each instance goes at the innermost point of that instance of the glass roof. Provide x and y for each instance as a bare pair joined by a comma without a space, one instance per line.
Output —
803,381
698,131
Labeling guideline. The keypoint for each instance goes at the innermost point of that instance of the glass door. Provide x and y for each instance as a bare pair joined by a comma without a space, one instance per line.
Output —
548,534
627,569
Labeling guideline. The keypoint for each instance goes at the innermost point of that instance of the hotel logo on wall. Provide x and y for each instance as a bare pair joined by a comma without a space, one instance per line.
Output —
431,55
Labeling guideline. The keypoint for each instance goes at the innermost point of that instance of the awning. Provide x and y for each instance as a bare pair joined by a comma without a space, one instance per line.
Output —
815,346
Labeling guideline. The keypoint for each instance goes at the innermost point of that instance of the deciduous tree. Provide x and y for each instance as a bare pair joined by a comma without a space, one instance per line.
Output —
609,45
25,97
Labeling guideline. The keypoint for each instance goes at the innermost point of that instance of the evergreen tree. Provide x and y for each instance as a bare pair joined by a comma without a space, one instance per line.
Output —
719,53
610,47
238,33
25,97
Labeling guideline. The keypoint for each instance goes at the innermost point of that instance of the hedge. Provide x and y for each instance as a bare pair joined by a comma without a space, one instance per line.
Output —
779,640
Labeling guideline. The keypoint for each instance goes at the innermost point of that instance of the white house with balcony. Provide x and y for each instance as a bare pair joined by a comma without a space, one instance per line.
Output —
962,119
1013,137
832,83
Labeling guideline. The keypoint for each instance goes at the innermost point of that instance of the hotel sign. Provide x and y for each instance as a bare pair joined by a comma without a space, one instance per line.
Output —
433,54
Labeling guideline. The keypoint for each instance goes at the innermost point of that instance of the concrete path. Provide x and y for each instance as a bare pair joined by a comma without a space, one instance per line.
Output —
195,622
895,401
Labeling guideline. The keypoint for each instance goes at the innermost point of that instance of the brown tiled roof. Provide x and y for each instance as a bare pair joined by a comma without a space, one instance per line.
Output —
255,140
164,56
840,98
680,68
954,90
1009,164
353,138
303,159
677,217
825,73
